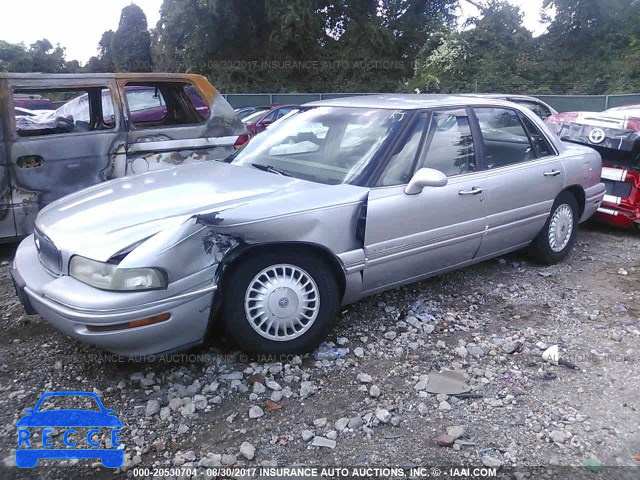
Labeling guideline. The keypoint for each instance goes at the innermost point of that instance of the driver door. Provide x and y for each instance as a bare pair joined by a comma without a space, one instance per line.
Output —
409,237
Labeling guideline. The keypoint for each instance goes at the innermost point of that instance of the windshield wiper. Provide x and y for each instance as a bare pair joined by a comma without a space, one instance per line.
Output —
271,169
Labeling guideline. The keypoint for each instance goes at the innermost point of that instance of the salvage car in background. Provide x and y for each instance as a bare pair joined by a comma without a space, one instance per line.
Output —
108,126
347,198
261,119
615,133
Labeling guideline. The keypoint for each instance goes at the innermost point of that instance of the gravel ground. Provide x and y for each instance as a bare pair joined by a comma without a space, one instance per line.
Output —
372,406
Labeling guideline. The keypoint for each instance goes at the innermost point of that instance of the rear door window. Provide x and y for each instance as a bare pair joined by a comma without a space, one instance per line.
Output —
165,104
505,140
73,110
449,143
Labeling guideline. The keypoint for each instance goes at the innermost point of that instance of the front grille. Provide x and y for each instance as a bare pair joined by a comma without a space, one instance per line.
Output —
48,253
617,189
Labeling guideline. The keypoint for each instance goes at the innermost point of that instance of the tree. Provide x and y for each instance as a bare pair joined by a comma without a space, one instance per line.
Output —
131,43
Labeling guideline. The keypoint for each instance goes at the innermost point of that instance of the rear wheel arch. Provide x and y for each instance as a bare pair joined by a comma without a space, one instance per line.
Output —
578,192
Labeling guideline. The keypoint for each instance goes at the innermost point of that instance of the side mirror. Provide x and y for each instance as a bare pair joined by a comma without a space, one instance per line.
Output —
425,177
28,411
266,122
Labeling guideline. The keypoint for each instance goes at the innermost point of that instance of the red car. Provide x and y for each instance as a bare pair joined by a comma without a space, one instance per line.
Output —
259,121
615,134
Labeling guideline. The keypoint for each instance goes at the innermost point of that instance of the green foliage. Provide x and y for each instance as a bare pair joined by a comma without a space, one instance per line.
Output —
591,47
41,56
129,48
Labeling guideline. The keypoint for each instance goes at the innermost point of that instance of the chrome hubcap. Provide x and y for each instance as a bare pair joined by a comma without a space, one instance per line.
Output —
282,302
560,228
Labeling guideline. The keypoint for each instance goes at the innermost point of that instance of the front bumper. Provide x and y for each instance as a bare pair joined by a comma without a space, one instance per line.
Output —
97,317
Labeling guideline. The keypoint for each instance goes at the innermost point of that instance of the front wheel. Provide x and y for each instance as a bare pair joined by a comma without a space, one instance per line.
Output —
280,303
557,237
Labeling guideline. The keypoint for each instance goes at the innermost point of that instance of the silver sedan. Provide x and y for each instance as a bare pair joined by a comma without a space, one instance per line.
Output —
347,198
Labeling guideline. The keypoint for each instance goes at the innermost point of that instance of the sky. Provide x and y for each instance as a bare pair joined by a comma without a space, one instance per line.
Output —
78,25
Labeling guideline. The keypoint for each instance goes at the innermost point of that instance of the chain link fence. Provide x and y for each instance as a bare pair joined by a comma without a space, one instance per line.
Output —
562,103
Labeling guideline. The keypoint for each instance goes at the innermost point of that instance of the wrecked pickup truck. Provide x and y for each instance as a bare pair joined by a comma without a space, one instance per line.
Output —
344,199
615,134
105,126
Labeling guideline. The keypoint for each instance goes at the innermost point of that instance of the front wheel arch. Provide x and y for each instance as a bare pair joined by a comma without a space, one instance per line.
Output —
235,258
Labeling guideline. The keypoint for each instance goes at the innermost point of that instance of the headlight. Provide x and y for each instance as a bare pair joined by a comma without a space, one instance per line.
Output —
109,277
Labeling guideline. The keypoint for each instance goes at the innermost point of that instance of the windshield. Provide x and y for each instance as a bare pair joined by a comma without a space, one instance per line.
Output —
328,145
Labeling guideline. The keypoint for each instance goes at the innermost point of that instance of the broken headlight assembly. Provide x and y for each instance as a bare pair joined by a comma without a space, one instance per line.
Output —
107,276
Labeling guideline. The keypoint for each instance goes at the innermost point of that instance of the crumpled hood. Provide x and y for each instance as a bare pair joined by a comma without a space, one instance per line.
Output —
102,220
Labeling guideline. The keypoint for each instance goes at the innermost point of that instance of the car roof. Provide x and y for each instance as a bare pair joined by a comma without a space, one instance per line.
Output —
407,101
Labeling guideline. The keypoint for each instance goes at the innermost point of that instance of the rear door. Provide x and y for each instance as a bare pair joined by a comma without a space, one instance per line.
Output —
524,175
54,154
410,236
170,123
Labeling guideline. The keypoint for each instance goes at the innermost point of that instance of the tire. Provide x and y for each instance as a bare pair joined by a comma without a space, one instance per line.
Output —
549,248
276,302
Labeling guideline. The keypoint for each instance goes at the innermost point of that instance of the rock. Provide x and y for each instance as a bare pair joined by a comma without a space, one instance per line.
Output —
616,309
247,450
623,272
323,442
558,436
319,422
259,388
358,352
450,382
374,391
444,406
342,341
255,412
307,435
510,347
228,459
332,435
273,385
175,404
423,409
445,440
341,424
307,389
460,351
200,402
182,429
356,422
422,384
165,412
364,378
492,462
276,396
390,335
383,415
455,431
153,407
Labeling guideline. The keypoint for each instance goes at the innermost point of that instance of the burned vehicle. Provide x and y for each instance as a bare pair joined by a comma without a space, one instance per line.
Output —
344,199
99,127
615,134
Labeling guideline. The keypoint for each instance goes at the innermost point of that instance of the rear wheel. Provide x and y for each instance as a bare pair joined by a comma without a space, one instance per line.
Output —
557,237
277,303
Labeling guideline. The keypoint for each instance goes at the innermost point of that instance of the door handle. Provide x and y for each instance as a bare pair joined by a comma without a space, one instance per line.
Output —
30,161
552,173
473,191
